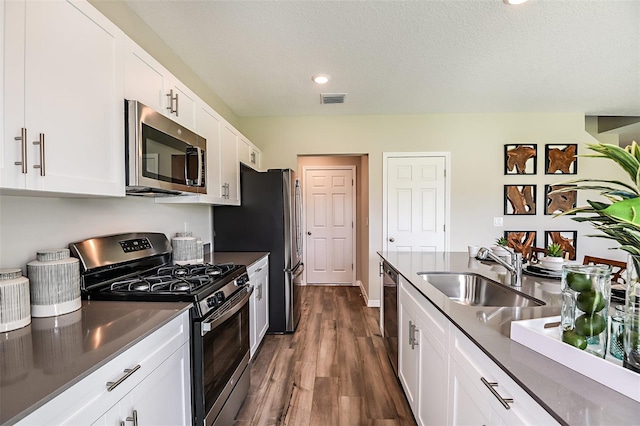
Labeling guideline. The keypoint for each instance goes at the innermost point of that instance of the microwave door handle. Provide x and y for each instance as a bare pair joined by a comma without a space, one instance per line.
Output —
200,165
197,152
187,160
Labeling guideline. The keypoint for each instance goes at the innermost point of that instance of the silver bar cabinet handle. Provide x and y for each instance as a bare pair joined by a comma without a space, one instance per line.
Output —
40,142
411,333
171,100
127,372
492,385
23,138
133,418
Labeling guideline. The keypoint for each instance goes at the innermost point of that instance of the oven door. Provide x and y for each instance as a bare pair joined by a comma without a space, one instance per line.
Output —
221,355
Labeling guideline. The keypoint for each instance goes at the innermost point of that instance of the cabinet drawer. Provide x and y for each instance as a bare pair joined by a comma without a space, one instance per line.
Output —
258,266
476,366
89,399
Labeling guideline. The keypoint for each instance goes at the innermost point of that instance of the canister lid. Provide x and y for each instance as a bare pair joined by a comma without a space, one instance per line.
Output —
52,254
10,273
184,234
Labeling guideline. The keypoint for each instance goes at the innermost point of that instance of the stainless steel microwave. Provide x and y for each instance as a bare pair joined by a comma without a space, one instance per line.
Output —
162,157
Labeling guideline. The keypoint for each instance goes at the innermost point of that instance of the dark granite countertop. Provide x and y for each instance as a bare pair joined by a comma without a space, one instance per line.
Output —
43,359
570,397
238,257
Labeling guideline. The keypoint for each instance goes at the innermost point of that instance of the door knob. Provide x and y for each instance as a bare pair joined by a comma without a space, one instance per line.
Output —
391,239
308,232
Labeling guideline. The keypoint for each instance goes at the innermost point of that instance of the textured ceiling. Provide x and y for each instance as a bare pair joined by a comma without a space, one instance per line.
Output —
404,57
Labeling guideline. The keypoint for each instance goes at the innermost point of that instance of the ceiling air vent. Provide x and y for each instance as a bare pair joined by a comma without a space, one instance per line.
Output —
332,98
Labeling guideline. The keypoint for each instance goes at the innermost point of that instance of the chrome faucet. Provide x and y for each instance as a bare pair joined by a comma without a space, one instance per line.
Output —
514,268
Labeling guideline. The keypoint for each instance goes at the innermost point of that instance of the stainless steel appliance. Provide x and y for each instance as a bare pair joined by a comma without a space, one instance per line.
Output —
390,312
269,219
162,157
137,266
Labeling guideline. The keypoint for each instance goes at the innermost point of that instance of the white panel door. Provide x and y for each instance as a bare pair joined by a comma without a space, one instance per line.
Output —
416,204
329,197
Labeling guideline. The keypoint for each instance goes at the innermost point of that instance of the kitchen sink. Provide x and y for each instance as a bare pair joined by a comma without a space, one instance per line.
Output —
476,290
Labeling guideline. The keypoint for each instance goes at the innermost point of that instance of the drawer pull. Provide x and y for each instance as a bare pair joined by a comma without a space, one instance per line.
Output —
492,385
127,372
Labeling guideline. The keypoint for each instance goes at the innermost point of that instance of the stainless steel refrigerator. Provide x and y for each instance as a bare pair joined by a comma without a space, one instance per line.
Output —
268,219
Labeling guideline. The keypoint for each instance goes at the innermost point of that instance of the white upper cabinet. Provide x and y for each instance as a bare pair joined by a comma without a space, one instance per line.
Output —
148,82
62,99
248,153
223,168
230,166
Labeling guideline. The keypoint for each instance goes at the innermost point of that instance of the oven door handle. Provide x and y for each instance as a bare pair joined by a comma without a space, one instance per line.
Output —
209,325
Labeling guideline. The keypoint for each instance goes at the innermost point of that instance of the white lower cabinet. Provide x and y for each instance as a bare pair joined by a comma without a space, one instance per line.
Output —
149,382
448,380
423,361
259,302
483,385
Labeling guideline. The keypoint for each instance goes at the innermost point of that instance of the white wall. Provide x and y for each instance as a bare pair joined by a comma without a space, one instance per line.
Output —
476,143
28,224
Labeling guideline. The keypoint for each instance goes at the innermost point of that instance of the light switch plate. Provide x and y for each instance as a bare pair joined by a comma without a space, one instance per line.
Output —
497,221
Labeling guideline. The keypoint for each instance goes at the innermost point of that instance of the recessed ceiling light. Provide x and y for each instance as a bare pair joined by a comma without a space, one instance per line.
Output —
320,78
514,1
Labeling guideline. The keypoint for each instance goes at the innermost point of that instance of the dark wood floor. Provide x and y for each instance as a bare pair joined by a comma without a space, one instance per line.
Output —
333,370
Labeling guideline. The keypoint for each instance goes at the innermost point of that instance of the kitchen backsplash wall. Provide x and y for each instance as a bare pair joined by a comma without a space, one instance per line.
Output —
28,224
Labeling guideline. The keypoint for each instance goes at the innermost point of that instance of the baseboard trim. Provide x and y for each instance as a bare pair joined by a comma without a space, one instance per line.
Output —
370,303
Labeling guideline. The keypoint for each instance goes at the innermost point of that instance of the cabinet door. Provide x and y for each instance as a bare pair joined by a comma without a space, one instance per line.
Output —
255,157
209,128
182,103
244,151
11,150
259,303
74,95
229,164
145,78
164,396
467,404
433,377
408,353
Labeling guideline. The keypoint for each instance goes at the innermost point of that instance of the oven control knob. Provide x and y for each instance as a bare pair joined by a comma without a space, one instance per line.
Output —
240,281
216,300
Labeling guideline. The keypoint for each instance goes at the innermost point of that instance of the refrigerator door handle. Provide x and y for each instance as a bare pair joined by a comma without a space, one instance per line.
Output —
295,271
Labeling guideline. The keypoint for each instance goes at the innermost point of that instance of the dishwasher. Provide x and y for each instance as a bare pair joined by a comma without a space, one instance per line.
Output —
390,311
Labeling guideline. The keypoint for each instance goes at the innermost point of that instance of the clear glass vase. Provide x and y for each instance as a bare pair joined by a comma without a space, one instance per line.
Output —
585,307
632,315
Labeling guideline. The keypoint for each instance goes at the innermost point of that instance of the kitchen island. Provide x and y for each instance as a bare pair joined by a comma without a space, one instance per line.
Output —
571,398
47,357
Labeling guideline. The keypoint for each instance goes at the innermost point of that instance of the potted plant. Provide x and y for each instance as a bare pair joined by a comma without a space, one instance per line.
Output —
618,219
553,258
500,248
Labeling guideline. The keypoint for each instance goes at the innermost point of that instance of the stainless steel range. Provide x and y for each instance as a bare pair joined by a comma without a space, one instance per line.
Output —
137,266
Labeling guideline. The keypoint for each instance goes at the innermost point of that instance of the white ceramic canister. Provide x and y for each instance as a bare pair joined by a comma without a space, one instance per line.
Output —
184,248
199,251
55,283
15,311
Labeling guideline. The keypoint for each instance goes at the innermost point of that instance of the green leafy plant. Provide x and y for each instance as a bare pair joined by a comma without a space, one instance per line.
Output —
501,241
619,218
555,250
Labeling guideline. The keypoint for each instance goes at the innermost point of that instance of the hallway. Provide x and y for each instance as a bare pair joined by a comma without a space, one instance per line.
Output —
333,370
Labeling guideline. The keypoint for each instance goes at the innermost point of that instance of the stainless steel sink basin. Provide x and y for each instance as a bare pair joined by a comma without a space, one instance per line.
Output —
476,290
